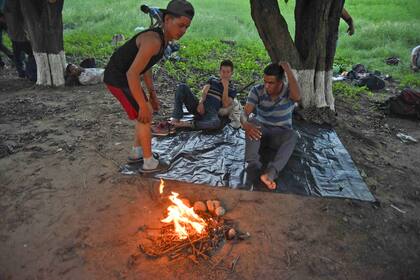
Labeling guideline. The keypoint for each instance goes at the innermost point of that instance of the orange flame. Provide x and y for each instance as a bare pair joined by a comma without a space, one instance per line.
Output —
184,218
161,186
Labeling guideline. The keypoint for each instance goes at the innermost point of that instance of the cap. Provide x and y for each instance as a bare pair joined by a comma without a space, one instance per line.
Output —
179,8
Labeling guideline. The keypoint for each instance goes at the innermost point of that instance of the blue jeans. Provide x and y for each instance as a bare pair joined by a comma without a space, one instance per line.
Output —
183,95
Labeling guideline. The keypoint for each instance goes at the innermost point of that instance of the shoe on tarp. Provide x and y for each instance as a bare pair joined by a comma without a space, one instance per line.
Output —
164,128
132,159
162,166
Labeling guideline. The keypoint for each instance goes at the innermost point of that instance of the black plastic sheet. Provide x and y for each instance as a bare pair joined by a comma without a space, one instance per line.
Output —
320,165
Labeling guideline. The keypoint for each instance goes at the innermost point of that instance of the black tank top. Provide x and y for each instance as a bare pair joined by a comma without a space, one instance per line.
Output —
123,57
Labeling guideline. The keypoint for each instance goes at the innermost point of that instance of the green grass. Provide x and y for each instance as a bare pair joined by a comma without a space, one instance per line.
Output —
350,92
383,29
204,60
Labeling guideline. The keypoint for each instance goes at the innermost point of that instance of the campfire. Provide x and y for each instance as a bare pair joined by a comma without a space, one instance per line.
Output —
194,232
184,218
186,221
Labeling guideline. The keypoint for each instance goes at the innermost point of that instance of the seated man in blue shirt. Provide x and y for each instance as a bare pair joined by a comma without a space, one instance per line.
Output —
272,104
216,94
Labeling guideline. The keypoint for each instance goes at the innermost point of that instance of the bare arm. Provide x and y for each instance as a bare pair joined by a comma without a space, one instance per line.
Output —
148,48
226,100
148,80
227,103
251,130
349,20
293,83
248,109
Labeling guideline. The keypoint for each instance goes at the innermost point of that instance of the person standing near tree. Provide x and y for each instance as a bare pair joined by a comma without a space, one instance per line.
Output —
133,61
20,43
349,20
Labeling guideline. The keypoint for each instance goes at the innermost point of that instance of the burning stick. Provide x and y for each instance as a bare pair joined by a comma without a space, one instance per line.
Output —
168,243
161,186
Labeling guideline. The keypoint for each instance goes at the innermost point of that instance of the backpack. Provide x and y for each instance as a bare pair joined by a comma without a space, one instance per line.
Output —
407,103
372,82
88,63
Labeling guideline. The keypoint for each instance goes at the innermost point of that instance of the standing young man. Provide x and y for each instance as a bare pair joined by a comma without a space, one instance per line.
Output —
272,104
131,63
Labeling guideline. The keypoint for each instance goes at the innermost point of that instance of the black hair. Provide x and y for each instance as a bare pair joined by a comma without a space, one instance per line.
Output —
227,62
68,67
273,69
169,14
70,80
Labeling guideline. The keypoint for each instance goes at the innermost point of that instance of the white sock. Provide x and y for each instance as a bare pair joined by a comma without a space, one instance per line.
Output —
150,163
137,152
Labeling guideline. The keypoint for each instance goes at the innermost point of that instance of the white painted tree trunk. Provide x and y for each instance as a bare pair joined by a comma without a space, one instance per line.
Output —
316,88
50,68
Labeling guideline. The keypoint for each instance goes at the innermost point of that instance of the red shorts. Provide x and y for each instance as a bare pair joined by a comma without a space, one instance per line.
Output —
127,101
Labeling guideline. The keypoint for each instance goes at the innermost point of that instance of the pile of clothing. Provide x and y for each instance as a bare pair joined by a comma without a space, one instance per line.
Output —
361,77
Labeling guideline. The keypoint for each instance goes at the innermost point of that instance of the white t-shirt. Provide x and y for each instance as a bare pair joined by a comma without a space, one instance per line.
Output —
416,50
92,76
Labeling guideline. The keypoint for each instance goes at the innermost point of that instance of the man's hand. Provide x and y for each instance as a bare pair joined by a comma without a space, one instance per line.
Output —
145,114
285,65
350,30
154,101
200,108
225,83
252,131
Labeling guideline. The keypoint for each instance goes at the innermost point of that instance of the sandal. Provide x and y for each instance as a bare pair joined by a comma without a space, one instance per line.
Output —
159,168
131,159
164,128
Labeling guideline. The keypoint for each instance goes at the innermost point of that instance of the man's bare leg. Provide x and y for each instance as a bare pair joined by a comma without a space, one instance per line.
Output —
144,138
268,182
136,135
136,151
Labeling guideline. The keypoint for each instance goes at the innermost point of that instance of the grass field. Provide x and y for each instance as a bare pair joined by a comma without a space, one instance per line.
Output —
383,29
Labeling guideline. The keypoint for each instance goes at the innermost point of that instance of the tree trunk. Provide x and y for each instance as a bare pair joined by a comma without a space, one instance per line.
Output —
312,52
45,29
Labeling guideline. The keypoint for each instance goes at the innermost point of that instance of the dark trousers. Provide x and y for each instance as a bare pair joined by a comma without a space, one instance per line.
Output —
183,96
279,139
19,51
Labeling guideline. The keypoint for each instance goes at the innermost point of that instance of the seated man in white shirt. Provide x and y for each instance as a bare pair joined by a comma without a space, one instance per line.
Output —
84,76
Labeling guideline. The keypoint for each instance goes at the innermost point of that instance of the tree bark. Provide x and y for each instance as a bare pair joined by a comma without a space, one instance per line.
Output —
312,52
45,29
274,32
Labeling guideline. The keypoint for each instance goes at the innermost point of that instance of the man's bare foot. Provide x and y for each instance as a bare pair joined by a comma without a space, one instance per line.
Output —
268,182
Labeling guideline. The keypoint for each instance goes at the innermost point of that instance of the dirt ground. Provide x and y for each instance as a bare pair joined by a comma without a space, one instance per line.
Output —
67,213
